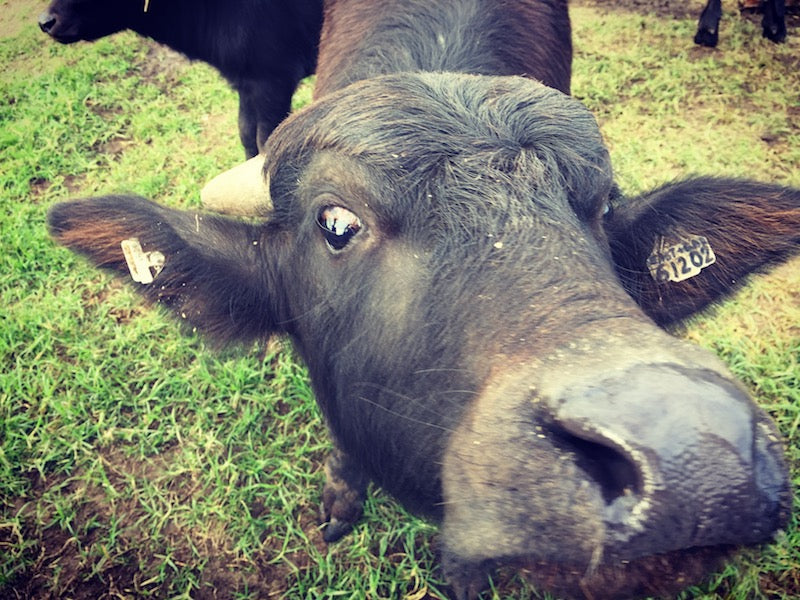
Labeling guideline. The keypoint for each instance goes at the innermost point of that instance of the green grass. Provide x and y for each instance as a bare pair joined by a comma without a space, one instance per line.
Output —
135,462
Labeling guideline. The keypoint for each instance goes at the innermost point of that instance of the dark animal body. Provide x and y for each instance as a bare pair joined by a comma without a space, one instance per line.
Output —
262,47
481,310
773,23
498,37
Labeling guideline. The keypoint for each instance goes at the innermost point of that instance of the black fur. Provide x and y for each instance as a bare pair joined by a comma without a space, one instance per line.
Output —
486,254
262,47
523,37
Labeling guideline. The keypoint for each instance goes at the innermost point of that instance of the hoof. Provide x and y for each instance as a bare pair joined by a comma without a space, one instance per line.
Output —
775,34
707,38
334,530
342,497
466,580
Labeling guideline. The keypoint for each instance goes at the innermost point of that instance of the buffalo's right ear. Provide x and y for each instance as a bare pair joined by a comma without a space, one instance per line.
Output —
215,273
686,245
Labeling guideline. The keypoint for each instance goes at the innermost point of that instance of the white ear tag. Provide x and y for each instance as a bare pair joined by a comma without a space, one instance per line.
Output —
680,261
144,266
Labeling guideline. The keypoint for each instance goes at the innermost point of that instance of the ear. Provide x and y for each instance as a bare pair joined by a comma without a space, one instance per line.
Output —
213,272
748,227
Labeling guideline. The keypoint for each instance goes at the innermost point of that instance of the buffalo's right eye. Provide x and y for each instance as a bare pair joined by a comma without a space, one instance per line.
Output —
338,226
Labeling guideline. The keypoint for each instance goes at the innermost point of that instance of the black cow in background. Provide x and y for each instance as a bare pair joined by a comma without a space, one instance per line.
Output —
773,22
262,47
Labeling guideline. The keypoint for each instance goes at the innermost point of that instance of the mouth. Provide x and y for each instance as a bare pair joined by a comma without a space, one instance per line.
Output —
660,575
64,38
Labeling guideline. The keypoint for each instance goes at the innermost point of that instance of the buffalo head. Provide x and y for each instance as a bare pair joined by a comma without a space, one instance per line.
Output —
481,312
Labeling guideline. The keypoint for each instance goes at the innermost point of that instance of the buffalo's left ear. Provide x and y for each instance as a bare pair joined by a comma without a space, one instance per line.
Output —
685,245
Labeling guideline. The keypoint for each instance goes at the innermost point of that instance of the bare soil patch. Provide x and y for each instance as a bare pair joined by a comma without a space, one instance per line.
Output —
77,564
162,67
16,14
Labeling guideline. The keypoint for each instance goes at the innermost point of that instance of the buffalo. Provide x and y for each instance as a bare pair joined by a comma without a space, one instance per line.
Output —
262,47
483,312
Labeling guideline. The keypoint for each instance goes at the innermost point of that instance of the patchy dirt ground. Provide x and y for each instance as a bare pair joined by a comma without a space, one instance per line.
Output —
15,14
66,565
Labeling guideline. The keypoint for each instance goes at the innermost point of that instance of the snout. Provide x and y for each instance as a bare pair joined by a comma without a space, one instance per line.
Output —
63,30
625,481
47,21
681,458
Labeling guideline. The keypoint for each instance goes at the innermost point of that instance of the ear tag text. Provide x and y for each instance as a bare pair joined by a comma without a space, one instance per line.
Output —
144,266
680,261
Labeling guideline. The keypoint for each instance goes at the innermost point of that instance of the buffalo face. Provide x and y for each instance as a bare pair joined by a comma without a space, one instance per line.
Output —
478,307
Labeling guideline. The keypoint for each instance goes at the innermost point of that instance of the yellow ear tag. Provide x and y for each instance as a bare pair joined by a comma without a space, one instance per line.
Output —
680,261
144,266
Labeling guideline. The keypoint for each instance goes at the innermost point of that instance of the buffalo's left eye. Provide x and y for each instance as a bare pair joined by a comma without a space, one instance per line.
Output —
338,226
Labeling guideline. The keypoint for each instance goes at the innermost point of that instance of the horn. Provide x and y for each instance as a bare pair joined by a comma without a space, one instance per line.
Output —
241,191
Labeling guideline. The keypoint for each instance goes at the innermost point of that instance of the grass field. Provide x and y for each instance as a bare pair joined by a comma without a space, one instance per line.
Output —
135,462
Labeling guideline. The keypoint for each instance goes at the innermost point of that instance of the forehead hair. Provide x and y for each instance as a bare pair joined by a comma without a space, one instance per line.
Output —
441,132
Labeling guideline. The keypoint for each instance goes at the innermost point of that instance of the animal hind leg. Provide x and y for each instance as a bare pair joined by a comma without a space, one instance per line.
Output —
248,124
774,20
708,25
272,102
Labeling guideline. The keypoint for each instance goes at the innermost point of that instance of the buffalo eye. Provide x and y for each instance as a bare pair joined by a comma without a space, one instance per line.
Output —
338,226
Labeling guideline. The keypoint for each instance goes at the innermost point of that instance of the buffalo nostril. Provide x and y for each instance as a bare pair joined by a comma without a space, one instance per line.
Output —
679,456
614,474
47,21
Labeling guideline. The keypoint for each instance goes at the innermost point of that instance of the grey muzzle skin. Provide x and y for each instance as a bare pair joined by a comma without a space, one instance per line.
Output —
47,21
65,32
586,466
680,457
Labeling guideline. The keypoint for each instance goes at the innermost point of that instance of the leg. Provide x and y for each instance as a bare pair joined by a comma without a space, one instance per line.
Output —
272,102
708,25
343,495
466,580
247,124
263,104
774,21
